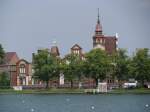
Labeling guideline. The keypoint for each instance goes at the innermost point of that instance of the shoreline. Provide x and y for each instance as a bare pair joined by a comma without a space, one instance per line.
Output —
74,91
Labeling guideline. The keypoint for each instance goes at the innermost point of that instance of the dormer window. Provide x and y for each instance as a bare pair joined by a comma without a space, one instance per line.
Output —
76,49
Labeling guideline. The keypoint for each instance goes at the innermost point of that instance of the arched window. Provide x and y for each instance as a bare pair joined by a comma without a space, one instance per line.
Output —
22,69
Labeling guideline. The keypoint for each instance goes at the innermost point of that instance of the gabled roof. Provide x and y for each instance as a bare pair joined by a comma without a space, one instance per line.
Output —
76,46
23,61
9,56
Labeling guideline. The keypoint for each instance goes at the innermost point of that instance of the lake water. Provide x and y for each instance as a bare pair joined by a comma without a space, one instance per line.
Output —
74,103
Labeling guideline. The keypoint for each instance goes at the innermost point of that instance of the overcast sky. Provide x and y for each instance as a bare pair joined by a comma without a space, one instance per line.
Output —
26,25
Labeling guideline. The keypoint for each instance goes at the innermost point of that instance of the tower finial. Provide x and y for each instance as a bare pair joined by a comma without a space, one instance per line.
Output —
98,17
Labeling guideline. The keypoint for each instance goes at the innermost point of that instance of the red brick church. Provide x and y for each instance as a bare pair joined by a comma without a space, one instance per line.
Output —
21,71
108,43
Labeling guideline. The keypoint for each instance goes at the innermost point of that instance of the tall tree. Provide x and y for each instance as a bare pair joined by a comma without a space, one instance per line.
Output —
4,80
72,68
45,66
120,61
2,54
140,66
97,64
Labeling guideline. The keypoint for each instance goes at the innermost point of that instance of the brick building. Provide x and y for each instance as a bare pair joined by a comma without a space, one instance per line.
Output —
77,50
20,71
107,43
24,73
9,66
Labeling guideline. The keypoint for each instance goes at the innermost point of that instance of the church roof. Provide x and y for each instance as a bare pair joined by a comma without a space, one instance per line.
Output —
9,56
55,51
76,46
23,60
110,44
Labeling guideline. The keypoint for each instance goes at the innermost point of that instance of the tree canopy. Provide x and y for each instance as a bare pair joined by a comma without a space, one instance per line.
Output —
4,80
45,66
140,66
73,67
97,64
2,54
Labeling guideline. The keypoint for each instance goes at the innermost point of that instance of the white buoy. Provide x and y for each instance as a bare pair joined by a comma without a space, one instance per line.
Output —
68,99
92,107
32,110
146,105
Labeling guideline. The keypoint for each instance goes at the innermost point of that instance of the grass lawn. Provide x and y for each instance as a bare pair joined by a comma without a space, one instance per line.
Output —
43,91
131,91
73,91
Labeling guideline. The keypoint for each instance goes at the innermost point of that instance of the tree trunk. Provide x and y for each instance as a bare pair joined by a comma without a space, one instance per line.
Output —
120,83
96,81
142,83
71,83
47,84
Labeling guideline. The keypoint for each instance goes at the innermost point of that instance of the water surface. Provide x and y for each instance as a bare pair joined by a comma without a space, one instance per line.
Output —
74,103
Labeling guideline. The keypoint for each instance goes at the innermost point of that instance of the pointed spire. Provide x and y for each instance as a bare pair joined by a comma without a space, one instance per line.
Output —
98,25
98,21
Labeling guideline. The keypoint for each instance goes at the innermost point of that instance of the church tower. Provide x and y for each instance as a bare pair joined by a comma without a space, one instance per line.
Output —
98,38
54,50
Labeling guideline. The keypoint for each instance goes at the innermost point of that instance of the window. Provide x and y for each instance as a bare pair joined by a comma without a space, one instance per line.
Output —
22,69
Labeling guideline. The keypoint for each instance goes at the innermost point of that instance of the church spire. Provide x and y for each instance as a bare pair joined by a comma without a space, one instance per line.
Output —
98,21
98,29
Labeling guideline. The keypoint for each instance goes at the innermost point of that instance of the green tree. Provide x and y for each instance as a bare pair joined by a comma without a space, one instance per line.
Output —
2,54
120,61
4,80
45,66
72,68
140,66
97,64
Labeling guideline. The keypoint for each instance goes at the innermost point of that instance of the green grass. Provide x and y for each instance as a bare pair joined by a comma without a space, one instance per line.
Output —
73,91
131,91
44,91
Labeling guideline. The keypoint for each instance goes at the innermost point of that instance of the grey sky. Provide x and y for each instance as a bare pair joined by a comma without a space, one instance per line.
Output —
26,25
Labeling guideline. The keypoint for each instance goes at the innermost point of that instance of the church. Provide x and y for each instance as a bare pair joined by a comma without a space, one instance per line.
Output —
107,43
21,71
101,41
